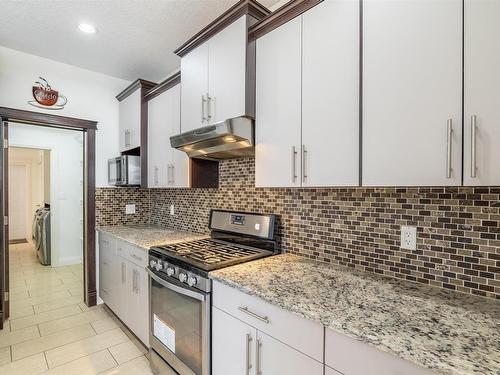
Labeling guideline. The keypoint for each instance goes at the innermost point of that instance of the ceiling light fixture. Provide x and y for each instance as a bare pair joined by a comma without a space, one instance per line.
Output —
87,28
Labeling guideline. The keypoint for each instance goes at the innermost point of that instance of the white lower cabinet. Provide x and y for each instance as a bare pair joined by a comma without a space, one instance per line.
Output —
123,283
330,371
233,345
276,358
252,337
343,353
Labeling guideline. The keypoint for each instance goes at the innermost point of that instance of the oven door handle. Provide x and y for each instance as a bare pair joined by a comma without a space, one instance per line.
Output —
175,288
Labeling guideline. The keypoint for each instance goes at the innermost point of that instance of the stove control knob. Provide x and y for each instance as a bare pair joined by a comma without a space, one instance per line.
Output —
192,281
152,263
159,266
170,271
182,277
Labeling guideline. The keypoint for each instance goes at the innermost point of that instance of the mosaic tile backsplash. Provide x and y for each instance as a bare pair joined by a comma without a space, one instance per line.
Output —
458,239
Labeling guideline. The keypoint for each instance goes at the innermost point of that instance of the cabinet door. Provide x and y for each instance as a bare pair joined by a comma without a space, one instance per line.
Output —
159,132
343,354
233,345
412,88
330,94
138,302
278,107
194,87
227,71
179,168
130,121
106,291
482,81
275,358
122,299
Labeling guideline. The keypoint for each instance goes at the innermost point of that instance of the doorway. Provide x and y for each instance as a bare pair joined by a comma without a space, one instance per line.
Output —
79,282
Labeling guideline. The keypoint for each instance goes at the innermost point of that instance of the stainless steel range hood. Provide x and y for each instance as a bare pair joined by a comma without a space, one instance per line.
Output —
228,139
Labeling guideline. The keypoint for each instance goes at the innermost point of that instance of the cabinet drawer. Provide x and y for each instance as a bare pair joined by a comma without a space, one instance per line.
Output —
122,248
107,244
342,353
138,256
301,334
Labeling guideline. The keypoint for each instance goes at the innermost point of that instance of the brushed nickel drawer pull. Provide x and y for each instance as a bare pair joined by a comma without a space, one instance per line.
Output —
245,310
136,257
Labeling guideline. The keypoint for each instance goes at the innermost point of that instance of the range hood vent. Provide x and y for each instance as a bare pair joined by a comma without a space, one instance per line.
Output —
233,138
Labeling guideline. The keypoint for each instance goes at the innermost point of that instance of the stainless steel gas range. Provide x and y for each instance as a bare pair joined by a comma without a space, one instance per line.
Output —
180,289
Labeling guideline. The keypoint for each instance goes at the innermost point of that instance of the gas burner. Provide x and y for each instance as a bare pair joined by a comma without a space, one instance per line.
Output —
183,251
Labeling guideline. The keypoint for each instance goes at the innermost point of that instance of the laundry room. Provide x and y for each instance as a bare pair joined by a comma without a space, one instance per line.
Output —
46,211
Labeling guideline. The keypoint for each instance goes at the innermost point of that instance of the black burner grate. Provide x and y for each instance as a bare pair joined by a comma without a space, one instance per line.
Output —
209,253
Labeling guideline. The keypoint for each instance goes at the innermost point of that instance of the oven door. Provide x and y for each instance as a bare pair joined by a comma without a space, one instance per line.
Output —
115,174
179,325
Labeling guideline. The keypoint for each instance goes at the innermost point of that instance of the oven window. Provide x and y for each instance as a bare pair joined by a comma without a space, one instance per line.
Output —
177,323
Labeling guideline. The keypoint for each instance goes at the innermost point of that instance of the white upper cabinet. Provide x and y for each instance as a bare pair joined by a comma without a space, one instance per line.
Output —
194,88
330,94
130,121
278,107
482,84
167,167
412,92
226,72
307,99
214,77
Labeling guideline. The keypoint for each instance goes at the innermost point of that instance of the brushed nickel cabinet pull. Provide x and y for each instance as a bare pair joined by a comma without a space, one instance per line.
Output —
294,164
245,310
248,365
304,163
449,129
258,370
203,102
473,129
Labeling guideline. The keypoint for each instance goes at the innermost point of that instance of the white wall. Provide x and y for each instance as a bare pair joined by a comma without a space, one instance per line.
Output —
66,187
90,96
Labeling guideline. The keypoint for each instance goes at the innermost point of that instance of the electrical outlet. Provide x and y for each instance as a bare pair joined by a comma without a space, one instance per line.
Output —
409,238
129,209
172,210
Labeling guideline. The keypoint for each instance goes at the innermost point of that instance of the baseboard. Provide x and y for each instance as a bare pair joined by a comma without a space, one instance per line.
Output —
15,242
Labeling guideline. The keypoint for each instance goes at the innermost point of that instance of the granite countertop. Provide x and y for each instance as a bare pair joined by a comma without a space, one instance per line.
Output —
447,332
146,236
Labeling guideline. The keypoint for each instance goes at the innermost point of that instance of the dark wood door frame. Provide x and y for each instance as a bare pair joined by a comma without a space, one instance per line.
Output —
89,259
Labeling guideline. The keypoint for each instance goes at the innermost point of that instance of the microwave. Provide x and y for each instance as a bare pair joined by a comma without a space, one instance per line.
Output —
124,170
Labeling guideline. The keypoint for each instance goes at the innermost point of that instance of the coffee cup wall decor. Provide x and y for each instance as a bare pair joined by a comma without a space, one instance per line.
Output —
46,97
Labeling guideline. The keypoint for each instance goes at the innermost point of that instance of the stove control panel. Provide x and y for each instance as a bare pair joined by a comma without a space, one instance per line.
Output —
166,270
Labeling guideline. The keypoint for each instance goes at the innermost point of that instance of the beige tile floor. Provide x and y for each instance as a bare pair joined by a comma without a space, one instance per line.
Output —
52,331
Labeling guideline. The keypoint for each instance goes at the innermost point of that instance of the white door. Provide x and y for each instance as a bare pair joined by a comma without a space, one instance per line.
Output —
194,88
482,83
130,121
275,358
233,345
278,107
412,92
227,53
330,94
18,205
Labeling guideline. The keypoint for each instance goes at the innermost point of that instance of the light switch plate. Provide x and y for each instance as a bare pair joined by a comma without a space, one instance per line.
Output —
129,209
408,237
172,210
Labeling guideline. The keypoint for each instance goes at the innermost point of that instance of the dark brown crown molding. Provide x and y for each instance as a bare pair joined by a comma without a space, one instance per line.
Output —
282,15
163,86
22,116
139,83
250,7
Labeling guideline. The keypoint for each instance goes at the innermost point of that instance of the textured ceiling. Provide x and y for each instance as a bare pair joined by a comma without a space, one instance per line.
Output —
135,38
